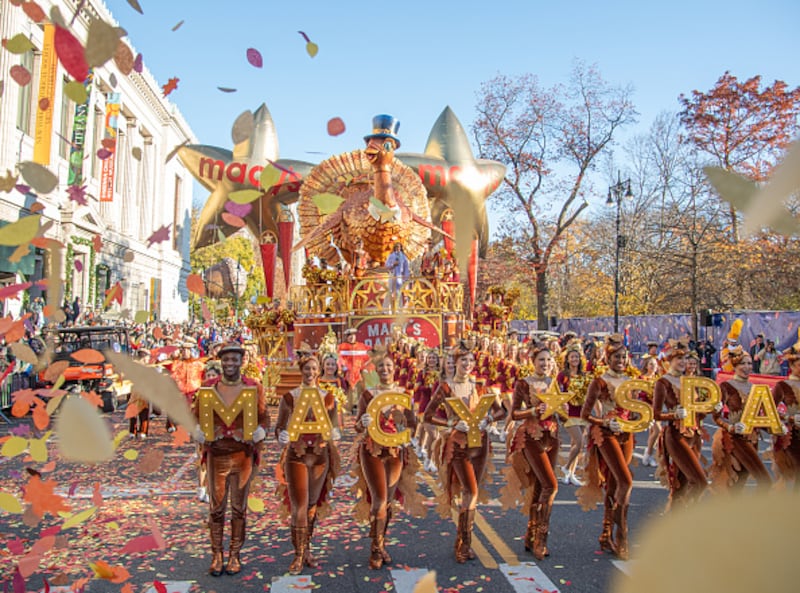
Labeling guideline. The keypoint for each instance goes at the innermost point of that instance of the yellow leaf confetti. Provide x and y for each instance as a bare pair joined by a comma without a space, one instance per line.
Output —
76,91
256,505
14,446
131,454
269,176
312,48
245,196
10,503
327,203
19,44
38,449
39,177
20,232
76,519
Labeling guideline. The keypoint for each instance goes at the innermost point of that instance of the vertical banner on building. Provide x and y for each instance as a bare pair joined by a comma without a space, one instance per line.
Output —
47,89
109,143
75,176
155,298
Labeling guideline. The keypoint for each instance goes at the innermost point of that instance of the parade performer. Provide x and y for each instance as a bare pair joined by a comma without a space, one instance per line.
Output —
384,474
425,384
463,467
533,451
233,422
307,466
787,397
731,343
574,379
679,446
734,453
610,450
650,373
187,372
138,410
353,356
332,382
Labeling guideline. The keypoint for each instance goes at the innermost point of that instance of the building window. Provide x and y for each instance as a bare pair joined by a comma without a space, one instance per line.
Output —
176,214
24,107
67,122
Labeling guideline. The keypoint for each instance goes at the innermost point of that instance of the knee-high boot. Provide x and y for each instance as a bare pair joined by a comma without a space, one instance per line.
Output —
310,560
606,540
376,530
300,541
463,550
216,531
531,531
237,540
542,528
621,539
387,559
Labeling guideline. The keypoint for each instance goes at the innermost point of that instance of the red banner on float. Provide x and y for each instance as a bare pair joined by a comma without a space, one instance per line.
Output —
268,258
285,240
472,273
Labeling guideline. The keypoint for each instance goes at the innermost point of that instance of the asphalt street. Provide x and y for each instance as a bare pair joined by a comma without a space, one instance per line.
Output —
134,503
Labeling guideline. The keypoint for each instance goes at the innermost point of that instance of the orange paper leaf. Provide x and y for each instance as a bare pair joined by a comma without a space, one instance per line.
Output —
88,356
196,285
43,498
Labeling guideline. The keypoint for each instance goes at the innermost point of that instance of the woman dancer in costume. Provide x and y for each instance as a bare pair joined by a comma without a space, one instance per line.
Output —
610,450
426,382
734,453
650,374
331,381
679,463
463,468
574,379
533,452
787,397
307,466
384,473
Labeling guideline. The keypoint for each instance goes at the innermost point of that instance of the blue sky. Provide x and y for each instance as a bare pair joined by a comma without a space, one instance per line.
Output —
413,58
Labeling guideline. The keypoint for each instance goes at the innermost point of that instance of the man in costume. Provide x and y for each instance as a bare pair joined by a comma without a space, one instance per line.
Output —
187,372
233,422
353,356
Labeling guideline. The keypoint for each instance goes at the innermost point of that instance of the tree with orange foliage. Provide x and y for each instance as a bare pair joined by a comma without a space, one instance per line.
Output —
742,127
549,140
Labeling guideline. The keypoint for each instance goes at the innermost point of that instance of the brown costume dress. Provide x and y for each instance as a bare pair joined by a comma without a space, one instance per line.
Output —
463,468
679,463
786,394
608,475
735,456
305,473
384,474
532,456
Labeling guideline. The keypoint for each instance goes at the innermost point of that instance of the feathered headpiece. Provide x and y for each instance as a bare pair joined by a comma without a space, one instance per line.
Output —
736,329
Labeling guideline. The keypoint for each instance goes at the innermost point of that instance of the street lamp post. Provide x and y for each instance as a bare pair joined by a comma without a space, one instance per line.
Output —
616,193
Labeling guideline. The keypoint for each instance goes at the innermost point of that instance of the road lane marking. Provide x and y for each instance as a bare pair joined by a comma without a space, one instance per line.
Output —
528,578
499,544
406,580
172,587
291,584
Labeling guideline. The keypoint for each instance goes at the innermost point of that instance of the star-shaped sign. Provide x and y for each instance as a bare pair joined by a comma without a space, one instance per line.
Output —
554,400
224,172
448,160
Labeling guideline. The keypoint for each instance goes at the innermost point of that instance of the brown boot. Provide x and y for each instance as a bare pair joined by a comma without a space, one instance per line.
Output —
464,540
531,531
376,528
387,559
542,528
300,541
621,539
606,540
237,539
216,530
310,560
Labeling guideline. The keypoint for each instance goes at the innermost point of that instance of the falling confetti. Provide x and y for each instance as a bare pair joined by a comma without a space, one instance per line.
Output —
196,285
243,127
158,236
70,53
232,220
171,85
336,126
76,91
240,210
226,89
77,194
135,5
21,231
34,12
311,47
254,57
20,75
123,58
18,44
178,26
101,43
138,63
